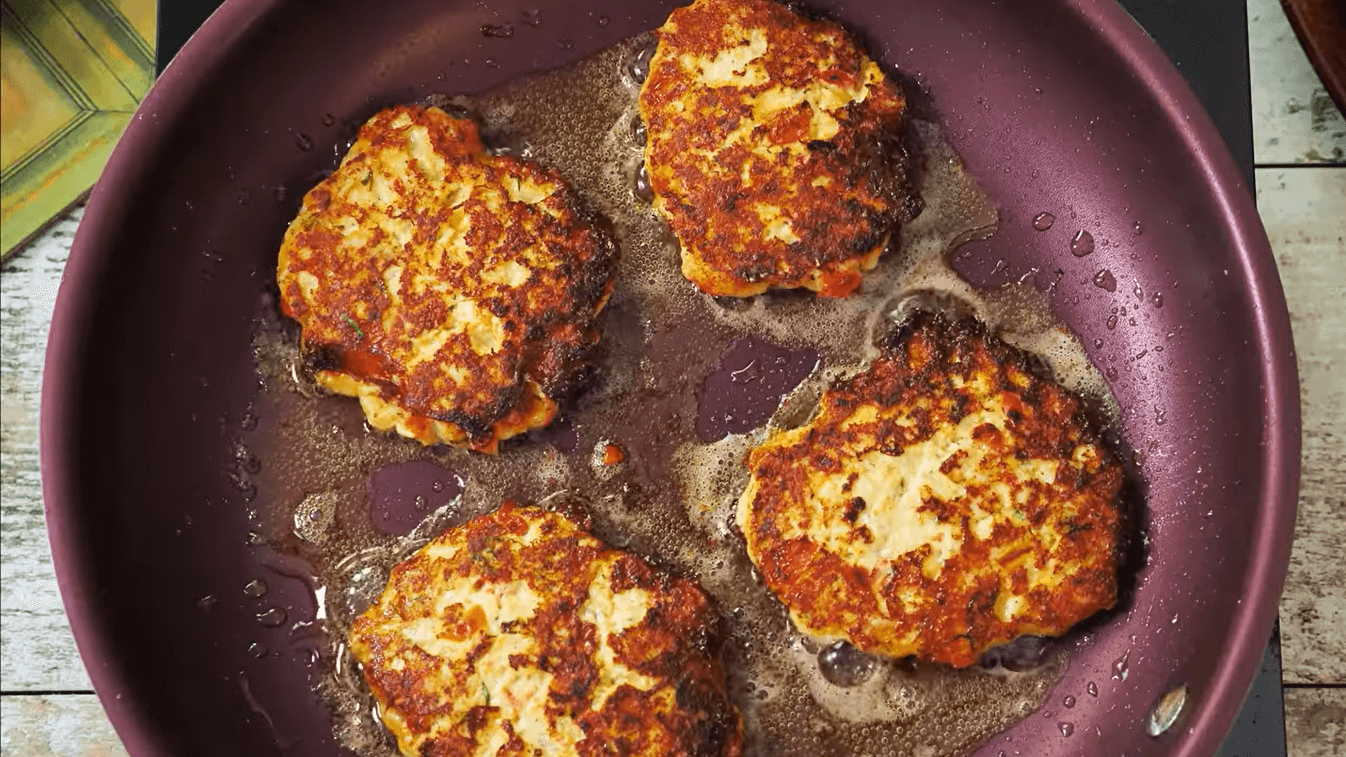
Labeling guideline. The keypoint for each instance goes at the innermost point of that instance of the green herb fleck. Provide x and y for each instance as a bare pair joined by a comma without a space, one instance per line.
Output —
486,693
351,322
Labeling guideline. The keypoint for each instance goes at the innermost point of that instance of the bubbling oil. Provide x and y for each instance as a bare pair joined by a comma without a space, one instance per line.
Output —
672,497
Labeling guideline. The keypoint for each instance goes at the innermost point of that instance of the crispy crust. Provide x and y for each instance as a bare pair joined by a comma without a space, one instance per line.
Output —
773,149
1000,505
453,292
533,584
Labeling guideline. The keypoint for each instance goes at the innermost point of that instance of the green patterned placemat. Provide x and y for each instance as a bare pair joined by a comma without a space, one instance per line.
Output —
72,73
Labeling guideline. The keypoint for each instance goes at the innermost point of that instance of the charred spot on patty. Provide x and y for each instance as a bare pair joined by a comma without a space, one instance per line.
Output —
453,292
774,149
944,501
518,632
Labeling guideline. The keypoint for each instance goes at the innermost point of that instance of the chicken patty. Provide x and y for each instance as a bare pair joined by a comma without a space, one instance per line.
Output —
519,633
773,149
452,291
944,501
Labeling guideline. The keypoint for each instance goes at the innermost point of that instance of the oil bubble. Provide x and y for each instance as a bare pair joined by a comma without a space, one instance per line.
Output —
639,67
844,665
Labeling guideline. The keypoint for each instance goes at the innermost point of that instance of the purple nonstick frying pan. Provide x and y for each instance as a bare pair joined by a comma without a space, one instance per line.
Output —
204,636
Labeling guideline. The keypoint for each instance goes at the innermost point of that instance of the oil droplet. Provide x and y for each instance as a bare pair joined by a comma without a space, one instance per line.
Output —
1121,667
1112,322
420,502
604,20
531,17
255,588
1159,416
1067,729
250,463
303,141
844,665
1068,701
437,487
1098,344
328,119
1081,244
1157,299
1138,292
564,43
257,650
497,31
1092,688
271,618
1043,221
207,602
244,195
1166,711
362,585
1136,229
1104,280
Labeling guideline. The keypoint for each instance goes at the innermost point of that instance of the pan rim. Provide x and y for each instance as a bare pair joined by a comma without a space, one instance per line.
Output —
92,254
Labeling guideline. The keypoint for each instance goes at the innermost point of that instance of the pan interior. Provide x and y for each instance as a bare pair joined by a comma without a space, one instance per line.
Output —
178,483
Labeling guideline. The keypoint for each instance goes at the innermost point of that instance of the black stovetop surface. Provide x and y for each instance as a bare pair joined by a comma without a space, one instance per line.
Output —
1208,41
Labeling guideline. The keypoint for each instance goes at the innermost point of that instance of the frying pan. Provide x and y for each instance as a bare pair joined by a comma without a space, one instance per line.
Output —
1060,106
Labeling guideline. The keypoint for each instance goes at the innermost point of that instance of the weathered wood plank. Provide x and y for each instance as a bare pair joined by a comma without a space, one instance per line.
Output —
1294,119
66,725
1304,211
1315,722
37,651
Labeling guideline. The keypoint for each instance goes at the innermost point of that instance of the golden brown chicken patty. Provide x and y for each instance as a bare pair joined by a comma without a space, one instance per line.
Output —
942,502
518,633
773,149
452,291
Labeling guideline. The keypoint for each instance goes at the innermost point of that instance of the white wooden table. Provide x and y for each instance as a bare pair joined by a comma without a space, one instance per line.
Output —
46,702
